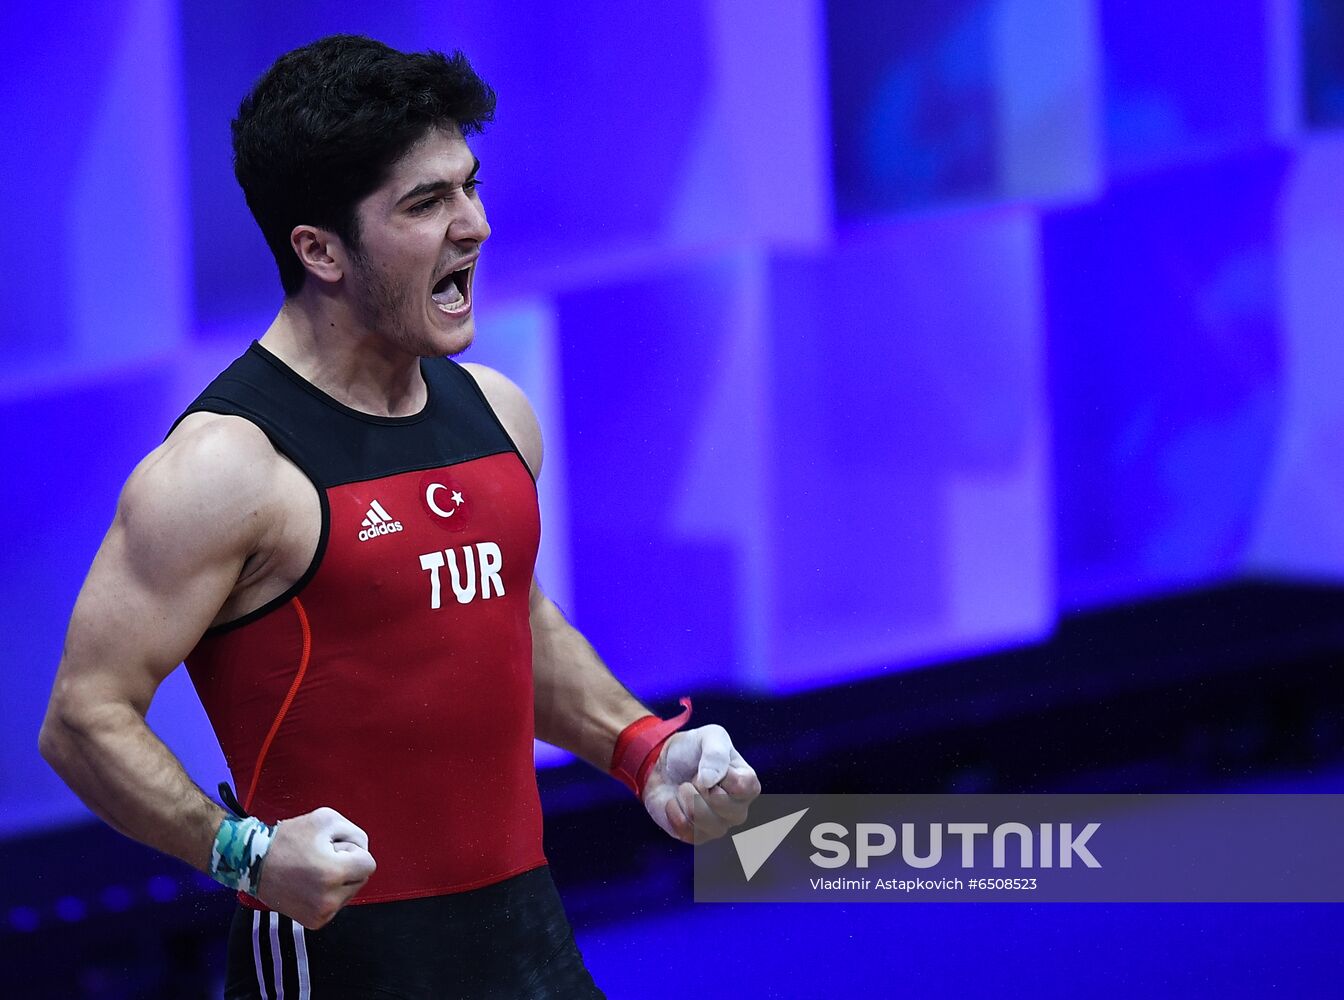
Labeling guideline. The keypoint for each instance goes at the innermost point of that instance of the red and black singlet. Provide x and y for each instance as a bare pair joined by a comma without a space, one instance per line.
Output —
393,681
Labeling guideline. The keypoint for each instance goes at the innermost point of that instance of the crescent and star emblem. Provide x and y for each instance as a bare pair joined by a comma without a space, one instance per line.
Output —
454,495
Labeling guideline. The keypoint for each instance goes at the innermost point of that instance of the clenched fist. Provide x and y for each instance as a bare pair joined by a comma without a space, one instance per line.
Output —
700,787
316,862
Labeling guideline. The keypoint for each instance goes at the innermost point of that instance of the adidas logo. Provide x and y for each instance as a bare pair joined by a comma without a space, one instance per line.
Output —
377,522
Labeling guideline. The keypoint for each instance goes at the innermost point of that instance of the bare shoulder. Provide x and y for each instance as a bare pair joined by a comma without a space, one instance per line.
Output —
511,405
208,495
212,476
190,516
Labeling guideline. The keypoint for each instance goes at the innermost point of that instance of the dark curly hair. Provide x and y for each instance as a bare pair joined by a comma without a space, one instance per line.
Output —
321,129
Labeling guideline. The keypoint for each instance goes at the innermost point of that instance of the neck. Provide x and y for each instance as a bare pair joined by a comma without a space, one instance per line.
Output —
326,345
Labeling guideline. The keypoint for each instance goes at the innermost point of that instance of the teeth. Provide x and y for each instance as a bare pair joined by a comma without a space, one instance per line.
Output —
453,297
450,296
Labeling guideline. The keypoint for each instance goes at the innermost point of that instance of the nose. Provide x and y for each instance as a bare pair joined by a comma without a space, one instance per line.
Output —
469,224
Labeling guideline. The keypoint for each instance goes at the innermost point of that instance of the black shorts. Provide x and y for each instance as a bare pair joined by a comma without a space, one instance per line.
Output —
508,940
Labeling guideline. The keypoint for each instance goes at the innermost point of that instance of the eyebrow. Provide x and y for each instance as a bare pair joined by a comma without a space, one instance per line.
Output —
429,187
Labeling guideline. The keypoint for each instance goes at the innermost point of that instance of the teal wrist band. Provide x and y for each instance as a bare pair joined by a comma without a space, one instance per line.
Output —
240,848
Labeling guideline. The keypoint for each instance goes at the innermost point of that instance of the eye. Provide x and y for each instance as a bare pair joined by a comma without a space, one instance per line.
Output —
471,184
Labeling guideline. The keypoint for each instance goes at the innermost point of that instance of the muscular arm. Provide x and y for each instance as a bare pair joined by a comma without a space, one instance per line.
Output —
579,705
699,786
196,525
185,524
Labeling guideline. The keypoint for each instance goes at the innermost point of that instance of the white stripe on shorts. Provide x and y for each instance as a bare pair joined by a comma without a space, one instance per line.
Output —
277,960
256,953
301,956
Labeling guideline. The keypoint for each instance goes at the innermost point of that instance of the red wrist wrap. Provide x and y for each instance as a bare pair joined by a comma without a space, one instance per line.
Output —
638,746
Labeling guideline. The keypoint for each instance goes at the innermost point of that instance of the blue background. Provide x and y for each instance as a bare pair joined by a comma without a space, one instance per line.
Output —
864,335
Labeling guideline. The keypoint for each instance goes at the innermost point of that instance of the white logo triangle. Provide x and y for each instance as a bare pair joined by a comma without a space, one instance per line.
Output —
755,846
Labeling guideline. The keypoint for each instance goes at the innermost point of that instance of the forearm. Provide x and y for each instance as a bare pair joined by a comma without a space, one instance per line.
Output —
580,705
123,772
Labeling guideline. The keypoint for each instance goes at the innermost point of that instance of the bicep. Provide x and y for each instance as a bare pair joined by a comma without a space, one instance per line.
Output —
168,563
542,612
136,619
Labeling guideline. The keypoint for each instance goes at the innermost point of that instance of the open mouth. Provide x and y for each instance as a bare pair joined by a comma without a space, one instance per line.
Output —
452,292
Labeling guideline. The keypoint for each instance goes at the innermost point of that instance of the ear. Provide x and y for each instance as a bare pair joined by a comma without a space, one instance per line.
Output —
320,251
